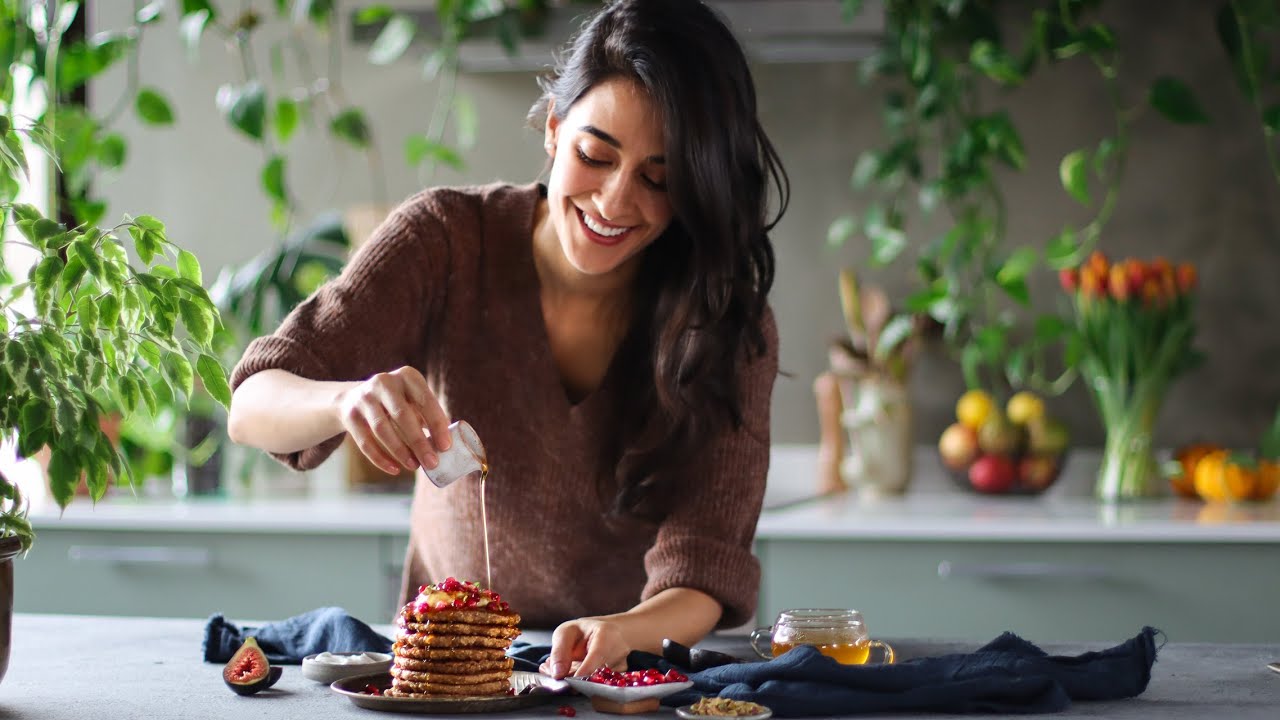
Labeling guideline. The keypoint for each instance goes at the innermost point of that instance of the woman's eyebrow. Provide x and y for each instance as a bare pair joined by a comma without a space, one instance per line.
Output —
611,140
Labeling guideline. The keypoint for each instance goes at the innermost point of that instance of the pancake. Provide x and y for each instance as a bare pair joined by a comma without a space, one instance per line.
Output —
453,666
478,678
403,688
446,653
446,628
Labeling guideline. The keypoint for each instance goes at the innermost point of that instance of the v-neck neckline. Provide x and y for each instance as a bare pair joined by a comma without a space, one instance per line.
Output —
538,322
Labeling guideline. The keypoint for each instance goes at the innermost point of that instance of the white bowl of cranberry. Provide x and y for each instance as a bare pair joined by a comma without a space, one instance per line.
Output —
625,687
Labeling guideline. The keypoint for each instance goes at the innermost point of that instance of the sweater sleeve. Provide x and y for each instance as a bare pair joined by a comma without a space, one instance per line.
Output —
373,317
705,542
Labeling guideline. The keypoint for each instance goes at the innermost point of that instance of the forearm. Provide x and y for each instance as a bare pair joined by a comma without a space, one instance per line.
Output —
279,412
682,614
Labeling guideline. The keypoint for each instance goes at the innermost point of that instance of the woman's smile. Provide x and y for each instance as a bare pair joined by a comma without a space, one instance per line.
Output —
601,232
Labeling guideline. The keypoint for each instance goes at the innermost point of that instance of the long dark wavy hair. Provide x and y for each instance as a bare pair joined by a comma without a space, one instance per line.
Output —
703,283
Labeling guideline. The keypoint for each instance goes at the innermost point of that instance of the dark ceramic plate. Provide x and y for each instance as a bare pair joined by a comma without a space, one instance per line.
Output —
353,688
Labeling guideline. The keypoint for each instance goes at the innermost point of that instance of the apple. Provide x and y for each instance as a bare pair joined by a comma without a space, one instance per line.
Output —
993,474
958,446
1036,472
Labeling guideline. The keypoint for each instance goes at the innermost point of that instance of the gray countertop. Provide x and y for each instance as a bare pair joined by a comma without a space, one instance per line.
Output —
86,668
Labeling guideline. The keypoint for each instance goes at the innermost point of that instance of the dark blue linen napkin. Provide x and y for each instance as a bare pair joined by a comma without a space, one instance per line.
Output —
1007,675
327,629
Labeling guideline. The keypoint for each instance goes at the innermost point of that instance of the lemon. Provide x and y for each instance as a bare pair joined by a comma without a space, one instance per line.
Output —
1025,408
973,409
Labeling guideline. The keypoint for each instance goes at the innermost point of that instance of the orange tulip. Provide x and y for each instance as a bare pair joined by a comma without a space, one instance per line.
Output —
1092,282
1119,282
1098,263
1186,276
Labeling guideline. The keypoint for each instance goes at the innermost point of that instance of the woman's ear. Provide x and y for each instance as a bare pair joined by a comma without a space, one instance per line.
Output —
553,125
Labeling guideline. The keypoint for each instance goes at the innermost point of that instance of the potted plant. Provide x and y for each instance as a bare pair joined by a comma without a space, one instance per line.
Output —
96,309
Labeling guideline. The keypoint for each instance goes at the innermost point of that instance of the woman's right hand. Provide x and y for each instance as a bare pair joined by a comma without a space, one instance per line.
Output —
386,415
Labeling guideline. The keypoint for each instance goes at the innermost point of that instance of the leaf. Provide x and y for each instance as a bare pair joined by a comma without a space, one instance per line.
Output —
190,29
372,15
970,362
351,126
1062,251
111,151
392,41
149,222
841,230
109,310
285,119
1017,266
1074,175
150,352
214,379
865,169
198,319
87,313
189,266
1269,448
895,332
244,107
420,148
153,108
994,62
180,370
273,180
150,12
1271,118
64,475
1173,99
45,274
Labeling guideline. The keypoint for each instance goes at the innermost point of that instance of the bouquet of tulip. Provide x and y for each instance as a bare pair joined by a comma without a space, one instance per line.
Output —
1136,327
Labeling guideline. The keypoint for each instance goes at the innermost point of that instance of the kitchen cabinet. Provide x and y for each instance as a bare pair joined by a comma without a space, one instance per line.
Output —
1052,569
263,560
936,563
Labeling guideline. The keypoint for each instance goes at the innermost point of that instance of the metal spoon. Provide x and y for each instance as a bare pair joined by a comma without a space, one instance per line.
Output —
1274,667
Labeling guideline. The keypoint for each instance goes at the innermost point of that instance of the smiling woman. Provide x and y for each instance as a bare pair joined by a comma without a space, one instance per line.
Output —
606,334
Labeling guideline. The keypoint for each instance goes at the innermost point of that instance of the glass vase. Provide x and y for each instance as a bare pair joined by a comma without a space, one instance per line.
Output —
1129,470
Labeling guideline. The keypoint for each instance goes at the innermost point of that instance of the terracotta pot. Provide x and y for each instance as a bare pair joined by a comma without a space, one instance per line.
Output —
9,548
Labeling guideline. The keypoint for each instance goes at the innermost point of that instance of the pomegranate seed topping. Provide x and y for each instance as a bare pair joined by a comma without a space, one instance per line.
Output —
567,711
372,690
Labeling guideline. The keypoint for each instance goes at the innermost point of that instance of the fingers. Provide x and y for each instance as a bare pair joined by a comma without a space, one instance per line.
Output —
568,643
403,426
364,439
595,659
386,416
432,415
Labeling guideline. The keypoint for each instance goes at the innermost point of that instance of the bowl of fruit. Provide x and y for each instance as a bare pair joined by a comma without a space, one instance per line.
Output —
1015,450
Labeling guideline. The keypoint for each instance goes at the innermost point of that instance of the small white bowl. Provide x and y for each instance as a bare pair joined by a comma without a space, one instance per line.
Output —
329,667
623,695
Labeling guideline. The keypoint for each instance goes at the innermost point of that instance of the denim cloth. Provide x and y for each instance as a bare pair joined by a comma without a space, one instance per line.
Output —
1007,675
327,629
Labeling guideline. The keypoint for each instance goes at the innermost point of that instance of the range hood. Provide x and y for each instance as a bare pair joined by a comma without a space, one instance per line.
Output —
771,31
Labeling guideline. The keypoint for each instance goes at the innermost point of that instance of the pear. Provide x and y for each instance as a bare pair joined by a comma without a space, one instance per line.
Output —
999,435
1048,436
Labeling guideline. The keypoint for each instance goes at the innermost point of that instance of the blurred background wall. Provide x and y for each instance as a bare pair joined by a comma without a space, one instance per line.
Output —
1197,193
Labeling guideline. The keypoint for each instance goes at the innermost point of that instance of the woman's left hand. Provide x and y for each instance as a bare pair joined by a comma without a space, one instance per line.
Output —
580,647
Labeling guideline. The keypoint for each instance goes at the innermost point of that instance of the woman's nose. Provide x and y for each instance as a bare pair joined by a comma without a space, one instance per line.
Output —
613,200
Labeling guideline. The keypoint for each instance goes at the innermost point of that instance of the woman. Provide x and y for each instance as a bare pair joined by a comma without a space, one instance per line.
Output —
607,336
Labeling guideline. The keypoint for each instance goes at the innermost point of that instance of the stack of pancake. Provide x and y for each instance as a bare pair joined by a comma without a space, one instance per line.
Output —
451,641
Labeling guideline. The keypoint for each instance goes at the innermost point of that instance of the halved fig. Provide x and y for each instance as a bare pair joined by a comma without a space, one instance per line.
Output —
248,671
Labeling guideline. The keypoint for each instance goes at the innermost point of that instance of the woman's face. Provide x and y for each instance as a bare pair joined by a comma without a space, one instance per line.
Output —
607,197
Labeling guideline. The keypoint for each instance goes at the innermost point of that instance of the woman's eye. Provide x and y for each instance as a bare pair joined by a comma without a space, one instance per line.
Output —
588,159
656,184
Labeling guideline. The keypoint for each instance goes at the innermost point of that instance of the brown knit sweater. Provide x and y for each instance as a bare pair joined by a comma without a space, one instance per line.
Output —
448,285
